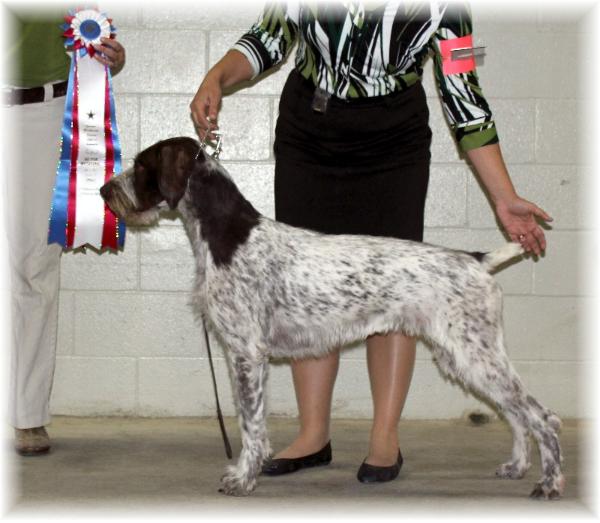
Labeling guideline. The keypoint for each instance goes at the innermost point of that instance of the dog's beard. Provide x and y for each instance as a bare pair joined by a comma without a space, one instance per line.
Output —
149,217
124,208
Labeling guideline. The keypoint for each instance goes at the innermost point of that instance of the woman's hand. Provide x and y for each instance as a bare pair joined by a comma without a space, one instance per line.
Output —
205,106
518,217
110,53
232,69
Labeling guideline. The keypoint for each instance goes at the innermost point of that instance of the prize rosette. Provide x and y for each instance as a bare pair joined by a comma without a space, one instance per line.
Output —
90,150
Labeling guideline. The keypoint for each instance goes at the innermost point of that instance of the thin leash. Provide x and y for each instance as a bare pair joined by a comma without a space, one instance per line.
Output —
215,154
214,380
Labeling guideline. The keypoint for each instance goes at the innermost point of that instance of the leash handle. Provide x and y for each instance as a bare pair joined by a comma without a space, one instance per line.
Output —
214,380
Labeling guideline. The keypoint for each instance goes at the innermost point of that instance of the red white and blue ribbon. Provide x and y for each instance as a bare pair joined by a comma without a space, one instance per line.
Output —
90,148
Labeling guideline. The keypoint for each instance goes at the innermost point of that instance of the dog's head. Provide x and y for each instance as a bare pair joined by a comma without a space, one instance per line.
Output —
159,174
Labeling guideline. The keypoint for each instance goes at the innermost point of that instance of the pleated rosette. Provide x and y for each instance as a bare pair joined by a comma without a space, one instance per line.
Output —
84,28
90,147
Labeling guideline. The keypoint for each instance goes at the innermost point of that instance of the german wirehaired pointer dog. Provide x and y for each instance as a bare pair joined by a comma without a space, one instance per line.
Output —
269,289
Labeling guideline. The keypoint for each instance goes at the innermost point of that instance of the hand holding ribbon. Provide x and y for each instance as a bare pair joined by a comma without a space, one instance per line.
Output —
110,53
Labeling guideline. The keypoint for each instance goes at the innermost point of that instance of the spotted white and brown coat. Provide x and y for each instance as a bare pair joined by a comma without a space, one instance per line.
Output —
269,289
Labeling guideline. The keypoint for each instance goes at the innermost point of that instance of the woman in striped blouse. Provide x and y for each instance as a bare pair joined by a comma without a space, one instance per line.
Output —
352,156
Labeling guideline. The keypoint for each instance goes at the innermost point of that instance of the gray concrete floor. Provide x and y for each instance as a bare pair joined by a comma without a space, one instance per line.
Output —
132,465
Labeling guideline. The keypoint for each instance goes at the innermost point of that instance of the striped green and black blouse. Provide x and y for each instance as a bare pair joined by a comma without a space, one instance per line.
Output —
356,49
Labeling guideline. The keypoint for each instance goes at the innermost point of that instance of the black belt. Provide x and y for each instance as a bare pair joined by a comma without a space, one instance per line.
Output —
32,95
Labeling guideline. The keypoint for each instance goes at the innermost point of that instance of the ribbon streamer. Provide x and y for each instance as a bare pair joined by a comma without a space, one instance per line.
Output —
90,146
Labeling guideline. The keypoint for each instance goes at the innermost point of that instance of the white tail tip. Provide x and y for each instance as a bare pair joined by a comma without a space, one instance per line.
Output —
501,255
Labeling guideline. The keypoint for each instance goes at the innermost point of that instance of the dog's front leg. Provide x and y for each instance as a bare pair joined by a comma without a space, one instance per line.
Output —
249,377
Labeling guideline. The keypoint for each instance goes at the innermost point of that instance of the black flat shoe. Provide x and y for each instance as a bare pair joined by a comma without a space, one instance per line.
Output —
276,467
372,474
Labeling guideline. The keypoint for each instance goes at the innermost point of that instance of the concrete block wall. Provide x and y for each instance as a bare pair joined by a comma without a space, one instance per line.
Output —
128,343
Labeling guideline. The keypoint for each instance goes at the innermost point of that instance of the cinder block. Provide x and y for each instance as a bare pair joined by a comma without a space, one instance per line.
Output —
165,117
544,328
557,132
123,16
510,64
556,189
352,393
281,398
446,204
140,324
514,279
66,317
186,15
516,124
269,83
94,387
561,272
556,385
431,396
255,181
567,21
163,61
557,65
107,270
499,17
128,123
355,351
166,262
182,387
245,122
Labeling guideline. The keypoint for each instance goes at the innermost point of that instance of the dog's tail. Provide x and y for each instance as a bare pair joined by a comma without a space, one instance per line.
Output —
491,260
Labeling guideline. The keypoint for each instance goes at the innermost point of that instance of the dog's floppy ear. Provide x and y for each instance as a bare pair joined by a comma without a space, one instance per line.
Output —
173,173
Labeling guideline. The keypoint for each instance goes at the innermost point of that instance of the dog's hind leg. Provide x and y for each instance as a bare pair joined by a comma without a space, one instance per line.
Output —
488,372
519,463
249,379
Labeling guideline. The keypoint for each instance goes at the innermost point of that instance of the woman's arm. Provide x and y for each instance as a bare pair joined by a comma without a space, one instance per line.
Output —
518,216
232,69
266,44
471,121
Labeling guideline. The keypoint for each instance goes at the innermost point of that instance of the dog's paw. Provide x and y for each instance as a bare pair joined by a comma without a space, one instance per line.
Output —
235,484
512,470
555,422
549,489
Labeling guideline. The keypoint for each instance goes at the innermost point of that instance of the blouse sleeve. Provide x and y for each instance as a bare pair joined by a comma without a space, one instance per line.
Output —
270,39
464,104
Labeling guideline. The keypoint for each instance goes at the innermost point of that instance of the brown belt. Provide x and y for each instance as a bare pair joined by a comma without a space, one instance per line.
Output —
31,95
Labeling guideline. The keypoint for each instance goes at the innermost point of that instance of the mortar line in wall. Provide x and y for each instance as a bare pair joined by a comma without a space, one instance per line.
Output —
206,53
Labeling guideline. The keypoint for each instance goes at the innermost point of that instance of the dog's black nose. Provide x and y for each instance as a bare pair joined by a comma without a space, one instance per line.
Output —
105,191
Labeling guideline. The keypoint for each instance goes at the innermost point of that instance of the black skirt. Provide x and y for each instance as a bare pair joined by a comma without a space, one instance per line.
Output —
362,167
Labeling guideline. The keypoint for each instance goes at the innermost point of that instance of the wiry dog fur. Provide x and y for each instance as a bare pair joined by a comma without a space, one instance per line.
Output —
273,290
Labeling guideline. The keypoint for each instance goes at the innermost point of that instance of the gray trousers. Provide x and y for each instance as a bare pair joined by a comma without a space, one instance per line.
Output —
32,140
